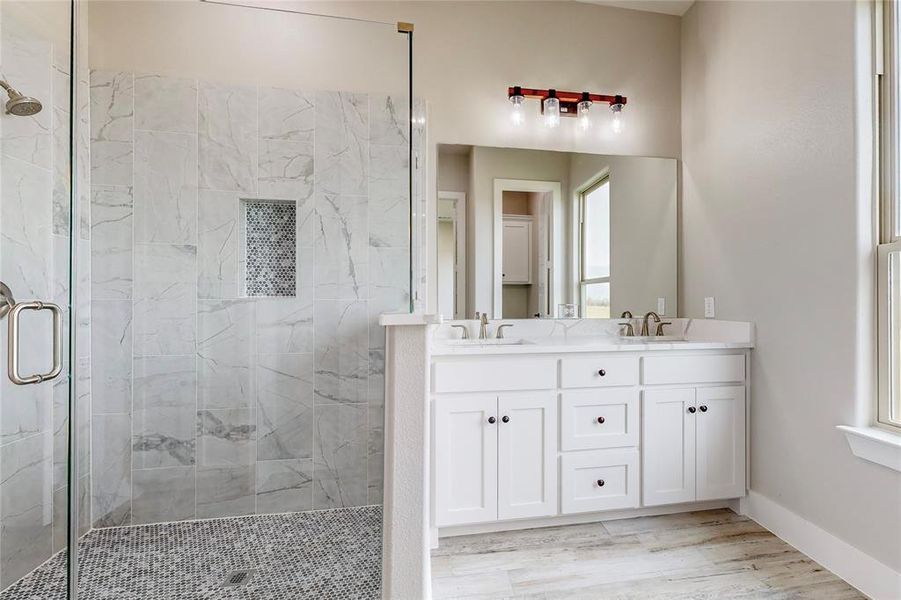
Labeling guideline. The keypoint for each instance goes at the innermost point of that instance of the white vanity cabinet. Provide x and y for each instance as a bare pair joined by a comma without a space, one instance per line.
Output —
694,444
495,457
552,435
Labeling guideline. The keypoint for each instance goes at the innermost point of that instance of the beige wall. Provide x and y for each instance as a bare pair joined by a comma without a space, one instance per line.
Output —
777,229
516,203
466,54
643,205
453,172
487,165
606,50
643,220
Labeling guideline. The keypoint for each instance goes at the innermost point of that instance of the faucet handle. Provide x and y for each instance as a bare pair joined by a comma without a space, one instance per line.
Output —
660,332
630,330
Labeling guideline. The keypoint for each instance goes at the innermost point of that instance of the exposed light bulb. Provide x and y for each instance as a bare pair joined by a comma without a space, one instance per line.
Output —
517,115
617,123
551,109
584,117
517,100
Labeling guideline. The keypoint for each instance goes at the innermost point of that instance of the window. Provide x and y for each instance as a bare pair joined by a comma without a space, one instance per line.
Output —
594,279
889,249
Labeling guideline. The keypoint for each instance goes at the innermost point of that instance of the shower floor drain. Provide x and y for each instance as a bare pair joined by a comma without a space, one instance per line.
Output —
238,578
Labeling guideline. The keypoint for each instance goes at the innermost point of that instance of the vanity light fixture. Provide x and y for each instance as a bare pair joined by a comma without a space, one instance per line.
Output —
556,104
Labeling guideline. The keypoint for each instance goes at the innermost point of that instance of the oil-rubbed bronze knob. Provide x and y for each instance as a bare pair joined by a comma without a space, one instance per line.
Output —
492,420
601,420
602,372
692,409
505,419
703,408
600,483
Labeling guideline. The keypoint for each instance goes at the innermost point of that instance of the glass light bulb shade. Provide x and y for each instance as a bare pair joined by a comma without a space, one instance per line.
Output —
517,114
551,112
617,123
584,117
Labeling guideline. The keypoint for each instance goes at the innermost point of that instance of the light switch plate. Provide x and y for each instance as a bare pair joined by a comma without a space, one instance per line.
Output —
709,308
661,306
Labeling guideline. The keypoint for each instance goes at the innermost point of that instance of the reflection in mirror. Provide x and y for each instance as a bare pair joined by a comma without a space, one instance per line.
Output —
532,233
451,253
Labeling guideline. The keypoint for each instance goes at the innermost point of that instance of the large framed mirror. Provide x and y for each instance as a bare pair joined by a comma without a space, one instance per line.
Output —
542,234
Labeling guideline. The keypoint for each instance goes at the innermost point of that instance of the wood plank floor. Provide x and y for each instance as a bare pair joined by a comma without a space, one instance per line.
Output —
700,555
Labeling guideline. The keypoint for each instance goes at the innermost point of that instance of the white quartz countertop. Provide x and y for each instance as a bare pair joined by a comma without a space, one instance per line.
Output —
577,344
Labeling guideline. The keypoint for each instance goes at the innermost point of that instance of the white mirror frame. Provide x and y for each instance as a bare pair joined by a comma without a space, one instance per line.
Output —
557,221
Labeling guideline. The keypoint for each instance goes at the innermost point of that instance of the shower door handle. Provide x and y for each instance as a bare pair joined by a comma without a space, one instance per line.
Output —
13,342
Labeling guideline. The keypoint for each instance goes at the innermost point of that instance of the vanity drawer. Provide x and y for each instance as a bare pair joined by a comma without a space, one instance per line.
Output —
600,480
599,371
481,375
693,369
606,418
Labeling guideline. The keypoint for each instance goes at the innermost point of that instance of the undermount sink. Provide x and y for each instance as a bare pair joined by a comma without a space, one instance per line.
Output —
490,342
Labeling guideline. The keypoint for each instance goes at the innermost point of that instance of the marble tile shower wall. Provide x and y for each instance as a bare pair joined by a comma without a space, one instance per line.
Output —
34,259
209,403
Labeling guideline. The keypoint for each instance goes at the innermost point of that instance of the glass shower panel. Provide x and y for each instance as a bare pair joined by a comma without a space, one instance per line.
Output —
250,217
39,382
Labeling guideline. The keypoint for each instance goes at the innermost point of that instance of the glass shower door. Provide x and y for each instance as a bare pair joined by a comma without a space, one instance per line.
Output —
36,390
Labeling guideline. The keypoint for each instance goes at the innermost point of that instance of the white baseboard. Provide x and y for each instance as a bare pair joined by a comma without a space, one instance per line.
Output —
873,578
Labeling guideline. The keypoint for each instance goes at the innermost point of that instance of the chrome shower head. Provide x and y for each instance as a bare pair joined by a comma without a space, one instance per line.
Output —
19,104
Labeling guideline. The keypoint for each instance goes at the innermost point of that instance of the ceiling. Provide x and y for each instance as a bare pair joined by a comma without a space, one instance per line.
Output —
667,7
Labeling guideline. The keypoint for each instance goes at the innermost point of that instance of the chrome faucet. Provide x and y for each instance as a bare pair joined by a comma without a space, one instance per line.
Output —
483,325
644,324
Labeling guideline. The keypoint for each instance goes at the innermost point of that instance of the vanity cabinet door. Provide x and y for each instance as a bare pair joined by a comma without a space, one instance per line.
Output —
527,455
466,429
721,442
668,446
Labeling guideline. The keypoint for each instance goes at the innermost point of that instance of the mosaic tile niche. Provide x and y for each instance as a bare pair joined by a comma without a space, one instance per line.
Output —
229,382
269,247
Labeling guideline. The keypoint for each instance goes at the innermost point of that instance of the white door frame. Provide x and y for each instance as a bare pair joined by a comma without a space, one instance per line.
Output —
459,200
555,229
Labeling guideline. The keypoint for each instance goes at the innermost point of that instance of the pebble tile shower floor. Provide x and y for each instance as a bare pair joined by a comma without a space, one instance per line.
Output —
328,554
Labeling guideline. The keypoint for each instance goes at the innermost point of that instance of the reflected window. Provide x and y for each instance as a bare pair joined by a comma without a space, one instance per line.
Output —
594,284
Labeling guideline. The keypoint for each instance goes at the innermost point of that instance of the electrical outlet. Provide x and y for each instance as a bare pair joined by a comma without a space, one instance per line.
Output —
661,306
709,308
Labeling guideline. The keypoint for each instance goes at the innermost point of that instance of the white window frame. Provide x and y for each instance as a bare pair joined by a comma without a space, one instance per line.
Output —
889,338
582,280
